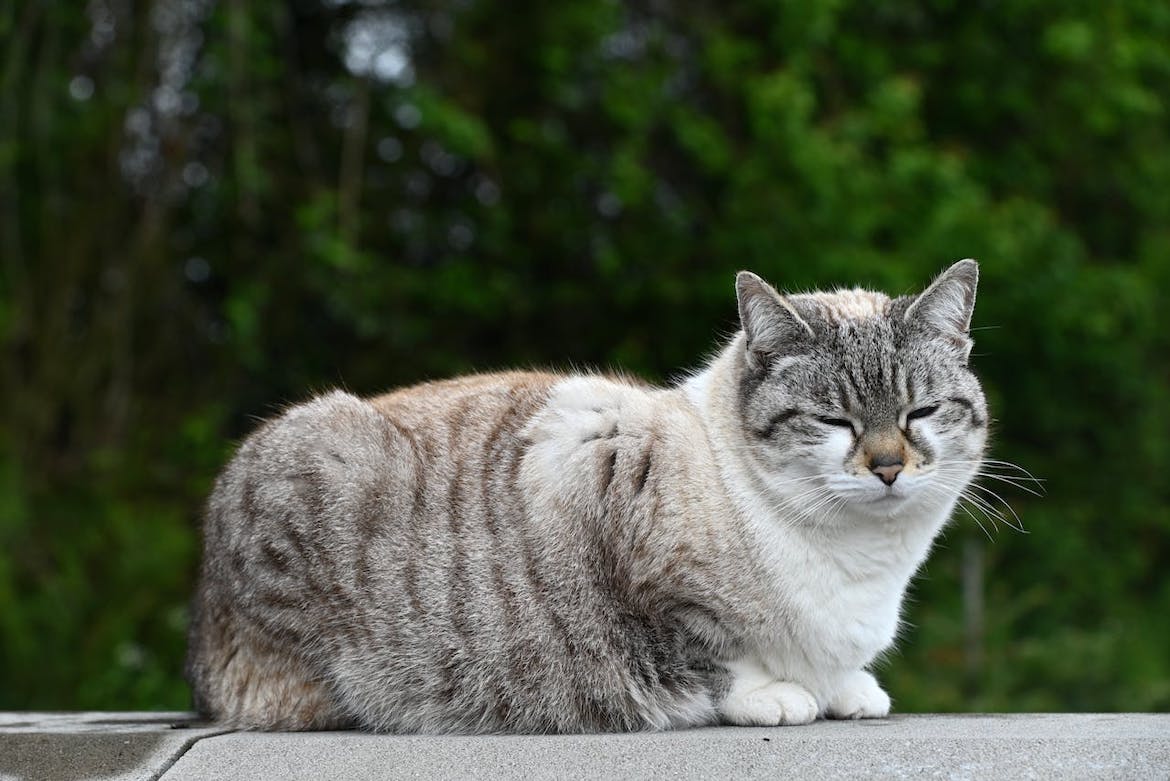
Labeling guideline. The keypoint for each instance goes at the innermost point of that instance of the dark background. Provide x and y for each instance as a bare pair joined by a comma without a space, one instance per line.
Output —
211,209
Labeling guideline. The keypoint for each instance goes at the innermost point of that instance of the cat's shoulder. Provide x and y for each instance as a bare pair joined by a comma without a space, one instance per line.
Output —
587,407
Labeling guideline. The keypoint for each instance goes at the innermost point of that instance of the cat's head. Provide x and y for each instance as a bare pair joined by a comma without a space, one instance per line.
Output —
853,403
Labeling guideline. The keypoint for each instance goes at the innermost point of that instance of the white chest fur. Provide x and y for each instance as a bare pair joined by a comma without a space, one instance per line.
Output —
834,591
837,600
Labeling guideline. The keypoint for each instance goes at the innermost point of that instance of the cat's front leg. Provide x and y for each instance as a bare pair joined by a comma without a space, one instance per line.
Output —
757,699
857,695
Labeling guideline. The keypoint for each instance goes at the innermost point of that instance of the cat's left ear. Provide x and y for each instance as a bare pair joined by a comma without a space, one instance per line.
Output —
947,305
771,325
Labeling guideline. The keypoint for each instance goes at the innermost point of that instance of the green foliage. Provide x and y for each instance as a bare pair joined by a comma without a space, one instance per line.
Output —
189,243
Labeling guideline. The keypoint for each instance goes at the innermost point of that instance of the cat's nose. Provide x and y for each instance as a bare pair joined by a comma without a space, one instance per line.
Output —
886,467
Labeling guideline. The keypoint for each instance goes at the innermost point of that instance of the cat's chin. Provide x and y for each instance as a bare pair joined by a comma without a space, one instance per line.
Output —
888,499
882,504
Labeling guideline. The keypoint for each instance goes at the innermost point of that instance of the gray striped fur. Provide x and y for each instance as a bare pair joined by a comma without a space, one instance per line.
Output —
529,552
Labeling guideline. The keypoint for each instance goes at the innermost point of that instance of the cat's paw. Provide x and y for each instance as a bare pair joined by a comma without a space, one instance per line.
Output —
858,696
779,703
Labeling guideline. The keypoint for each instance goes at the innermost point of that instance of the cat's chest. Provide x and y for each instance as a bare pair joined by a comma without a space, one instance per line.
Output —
838,607
854,618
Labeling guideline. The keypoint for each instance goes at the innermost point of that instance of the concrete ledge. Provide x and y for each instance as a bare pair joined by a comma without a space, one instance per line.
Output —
109,746
63,747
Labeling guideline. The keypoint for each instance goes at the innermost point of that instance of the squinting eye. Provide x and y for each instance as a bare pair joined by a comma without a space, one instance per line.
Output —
841,422
922,412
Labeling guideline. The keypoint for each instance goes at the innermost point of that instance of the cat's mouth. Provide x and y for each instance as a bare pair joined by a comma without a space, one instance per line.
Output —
862,491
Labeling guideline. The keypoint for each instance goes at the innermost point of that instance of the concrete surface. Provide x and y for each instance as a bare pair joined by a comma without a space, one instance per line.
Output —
170,746
107,746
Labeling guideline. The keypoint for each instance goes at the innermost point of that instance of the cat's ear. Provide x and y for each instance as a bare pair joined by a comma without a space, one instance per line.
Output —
770,323
947,305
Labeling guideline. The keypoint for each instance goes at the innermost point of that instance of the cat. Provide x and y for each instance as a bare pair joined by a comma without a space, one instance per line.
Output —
540,553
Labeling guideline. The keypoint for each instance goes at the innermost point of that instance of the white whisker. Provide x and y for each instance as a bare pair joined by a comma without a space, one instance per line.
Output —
1011,481
1019,524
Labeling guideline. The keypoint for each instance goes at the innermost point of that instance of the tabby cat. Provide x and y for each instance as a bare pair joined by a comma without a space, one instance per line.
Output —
535,553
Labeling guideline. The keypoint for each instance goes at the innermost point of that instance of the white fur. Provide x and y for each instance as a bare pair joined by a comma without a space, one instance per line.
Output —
858,696
758,699
836,587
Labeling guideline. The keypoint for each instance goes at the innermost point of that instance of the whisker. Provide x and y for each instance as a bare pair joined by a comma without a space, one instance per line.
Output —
816,506
1013,481
986,507
992,462
946,495
971,506
1019,525
795,499
975,518
835,510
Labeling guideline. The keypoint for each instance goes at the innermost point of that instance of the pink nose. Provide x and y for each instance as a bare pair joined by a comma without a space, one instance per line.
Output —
886,468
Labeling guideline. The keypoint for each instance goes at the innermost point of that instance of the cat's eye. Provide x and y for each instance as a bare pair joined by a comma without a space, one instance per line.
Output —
838,422
921,412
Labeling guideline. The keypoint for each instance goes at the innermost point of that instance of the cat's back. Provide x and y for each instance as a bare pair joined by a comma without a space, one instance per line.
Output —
468,400
322,479
424,530
339,462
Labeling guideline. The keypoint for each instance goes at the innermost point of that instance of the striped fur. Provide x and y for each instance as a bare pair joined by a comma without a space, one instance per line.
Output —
528,552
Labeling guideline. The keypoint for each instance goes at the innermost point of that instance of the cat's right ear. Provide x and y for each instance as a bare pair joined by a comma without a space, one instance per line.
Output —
770,324
947,305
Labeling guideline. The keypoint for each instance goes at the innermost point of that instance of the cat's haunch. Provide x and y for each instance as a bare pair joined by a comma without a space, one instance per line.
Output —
531,552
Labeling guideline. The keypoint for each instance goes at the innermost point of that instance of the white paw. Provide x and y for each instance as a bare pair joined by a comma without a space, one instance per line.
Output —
775,704
858,697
